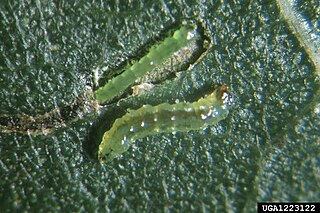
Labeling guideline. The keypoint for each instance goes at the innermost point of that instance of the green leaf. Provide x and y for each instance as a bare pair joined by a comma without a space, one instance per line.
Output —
267,149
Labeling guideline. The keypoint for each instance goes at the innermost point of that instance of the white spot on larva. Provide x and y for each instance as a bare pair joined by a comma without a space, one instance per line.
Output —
124,140
173,118
188,109
201,107
225,96
210,113
203,117
191,35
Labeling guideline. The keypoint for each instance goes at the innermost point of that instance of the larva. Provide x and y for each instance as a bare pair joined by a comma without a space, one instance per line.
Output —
157,55
163,118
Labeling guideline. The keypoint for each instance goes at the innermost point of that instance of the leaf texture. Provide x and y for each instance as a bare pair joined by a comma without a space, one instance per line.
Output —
266,149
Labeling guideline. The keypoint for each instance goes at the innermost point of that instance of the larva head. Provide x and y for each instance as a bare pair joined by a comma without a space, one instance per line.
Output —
222,93
219,97
185,33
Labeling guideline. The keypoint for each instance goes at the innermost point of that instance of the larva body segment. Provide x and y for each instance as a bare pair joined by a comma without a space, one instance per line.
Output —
163,118
156,56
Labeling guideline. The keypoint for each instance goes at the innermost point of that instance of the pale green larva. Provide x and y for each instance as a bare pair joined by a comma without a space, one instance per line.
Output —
163,118
158,54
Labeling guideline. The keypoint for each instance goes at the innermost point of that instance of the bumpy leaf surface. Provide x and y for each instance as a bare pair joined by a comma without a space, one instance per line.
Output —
268,149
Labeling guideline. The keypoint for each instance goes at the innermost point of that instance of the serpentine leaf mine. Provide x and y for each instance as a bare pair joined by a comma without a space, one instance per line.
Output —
164,118
49,121
175,53
153,67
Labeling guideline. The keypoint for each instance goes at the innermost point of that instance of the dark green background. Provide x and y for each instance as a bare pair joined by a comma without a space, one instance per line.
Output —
266,150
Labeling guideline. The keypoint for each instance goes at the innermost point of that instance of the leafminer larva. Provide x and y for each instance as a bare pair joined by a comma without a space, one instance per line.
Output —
163,118
136,73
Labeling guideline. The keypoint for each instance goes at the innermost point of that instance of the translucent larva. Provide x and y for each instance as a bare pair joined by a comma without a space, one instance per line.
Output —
164,118
157,55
